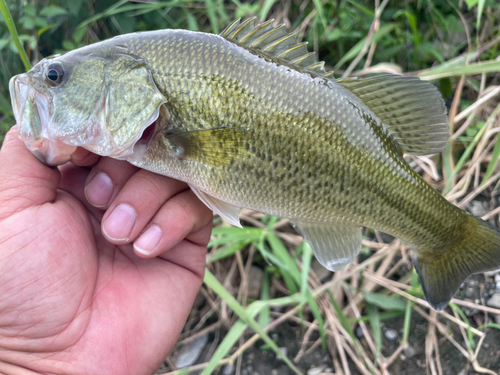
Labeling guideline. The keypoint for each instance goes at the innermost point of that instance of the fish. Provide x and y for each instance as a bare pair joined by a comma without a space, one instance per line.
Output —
250,118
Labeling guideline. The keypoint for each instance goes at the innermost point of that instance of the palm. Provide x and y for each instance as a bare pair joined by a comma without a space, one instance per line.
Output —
74,301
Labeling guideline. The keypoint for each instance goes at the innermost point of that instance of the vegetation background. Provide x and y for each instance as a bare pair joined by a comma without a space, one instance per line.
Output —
264,293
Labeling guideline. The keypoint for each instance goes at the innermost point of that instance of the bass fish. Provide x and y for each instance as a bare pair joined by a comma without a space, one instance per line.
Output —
249,118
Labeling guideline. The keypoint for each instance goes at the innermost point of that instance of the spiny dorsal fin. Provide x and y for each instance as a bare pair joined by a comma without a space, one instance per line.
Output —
412,109
274,41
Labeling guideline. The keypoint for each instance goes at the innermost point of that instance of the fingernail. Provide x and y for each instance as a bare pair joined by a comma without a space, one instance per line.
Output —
79,154
120,223
148,240
99,190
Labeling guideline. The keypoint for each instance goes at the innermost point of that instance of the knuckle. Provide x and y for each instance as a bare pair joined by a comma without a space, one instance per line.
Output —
183,209
11,135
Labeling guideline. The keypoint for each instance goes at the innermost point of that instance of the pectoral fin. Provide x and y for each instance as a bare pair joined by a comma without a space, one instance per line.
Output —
215,146
335,245
225,210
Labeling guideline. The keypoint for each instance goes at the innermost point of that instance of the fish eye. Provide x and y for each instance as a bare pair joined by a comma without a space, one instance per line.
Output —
55,74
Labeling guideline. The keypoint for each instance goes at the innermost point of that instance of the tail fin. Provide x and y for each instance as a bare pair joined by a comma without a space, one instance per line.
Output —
477,250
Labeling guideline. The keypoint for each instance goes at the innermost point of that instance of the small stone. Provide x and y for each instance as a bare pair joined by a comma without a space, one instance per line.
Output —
315,370
255,277
190,352
391,334
494,301
228,369
359,332
477,209
409,352
284,352
274,372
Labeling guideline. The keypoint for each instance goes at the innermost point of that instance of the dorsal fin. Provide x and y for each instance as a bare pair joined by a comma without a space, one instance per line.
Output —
276,42
413,110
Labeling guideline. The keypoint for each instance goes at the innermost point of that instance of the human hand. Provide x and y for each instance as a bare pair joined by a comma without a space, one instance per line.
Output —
78,299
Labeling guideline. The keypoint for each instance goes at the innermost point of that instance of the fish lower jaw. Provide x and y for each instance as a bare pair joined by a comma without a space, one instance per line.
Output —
51,152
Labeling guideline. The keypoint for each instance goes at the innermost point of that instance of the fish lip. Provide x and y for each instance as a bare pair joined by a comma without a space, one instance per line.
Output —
22,91
18,95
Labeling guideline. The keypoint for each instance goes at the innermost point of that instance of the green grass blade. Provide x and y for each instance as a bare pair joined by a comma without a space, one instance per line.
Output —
319,8
289,270
374,318
494,160
370,13
245,231
228,251
295,277
480,7
407,322
212,16
470,335
489,325
385,302
457,71
266,7
351,54
211,281
239,328
447,169
317,315
306,266
264,316
13,31
230,339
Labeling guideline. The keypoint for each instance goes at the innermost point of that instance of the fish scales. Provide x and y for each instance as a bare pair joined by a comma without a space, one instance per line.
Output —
250,119
305,142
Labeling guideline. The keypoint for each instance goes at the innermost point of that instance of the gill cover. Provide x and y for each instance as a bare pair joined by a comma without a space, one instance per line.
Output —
132,102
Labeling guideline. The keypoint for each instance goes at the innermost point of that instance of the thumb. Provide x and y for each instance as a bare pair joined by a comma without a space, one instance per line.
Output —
24,181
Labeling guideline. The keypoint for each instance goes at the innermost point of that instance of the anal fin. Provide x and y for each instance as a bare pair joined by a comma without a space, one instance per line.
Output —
225,210
334,245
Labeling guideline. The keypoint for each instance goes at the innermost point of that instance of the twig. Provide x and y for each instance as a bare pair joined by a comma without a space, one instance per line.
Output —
368,40
494,92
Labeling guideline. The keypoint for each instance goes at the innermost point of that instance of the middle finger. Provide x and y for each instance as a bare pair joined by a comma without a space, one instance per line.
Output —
137,202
